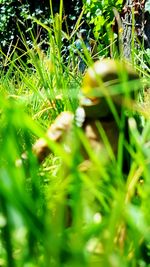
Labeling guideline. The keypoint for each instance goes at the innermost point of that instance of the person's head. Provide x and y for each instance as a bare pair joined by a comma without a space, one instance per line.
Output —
107,80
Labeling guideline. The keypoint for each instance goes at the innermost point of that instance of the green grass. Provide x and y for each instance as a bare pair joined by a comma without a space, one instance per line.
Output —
109,221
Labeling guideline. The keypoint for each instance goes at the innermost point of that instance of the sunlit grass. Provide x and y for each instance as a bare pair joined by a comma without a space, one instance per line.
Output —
65,212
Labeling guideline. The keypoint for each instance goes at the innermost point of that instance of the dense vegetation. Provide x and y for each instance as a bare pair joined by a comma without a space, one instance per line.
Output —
40,77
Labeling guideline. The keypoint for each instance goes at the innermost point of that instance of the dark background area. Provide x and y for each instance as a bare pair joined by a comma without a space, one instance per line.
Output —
17,25
16,22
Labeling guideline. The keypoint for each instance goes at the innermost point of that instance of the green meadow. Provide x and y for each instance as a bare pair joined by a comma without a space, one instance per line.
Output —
54,213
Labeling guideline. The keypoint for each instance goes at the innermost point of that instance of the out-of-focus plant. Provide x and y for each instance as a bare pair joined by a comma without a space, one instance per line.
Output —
147,6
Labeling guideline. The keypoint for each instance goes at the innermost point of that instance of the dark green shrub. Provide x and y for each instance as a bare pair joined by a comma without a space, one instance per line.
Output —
16,21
